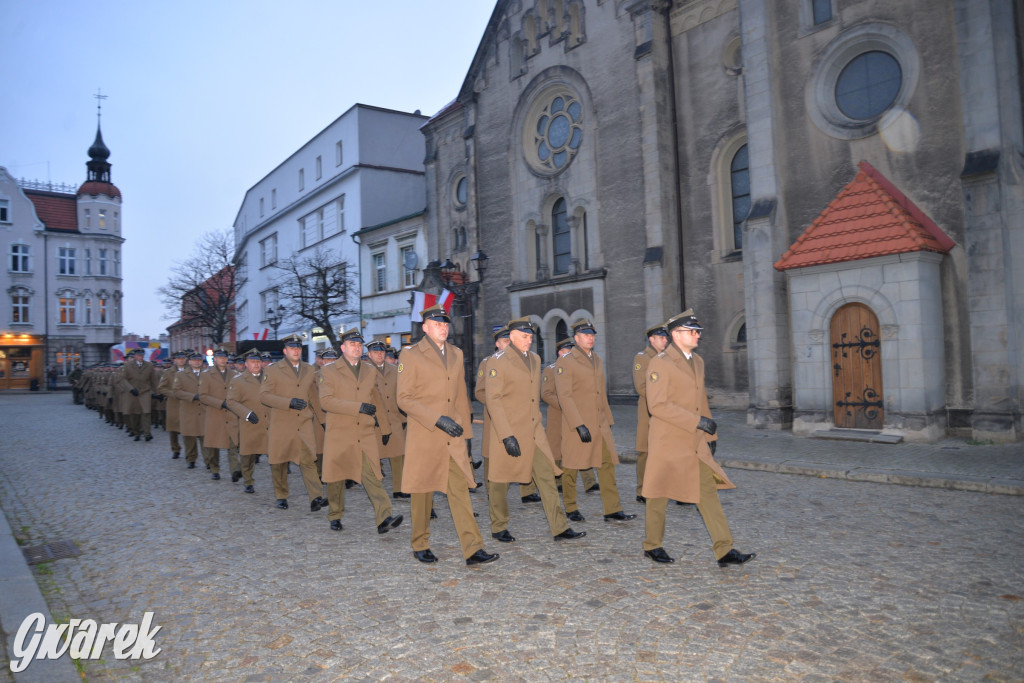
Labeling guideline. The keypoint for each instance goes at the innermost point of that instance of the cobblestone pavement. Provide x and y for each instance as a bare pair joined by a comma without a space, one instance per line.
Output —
853,581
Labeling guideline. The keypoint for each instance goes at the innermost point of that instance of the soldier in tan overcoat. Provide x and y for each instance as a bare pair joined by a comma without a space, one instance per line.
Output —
432,392
387,385
518,446
553,426
586,423
137,387
190,410
356,425
289,390
527,491
253,416
166,389
220,426
680,463
657,340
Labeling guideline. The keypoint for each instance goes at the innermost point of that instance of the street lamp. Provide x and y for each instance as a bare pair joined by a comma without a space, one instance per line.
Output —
274,319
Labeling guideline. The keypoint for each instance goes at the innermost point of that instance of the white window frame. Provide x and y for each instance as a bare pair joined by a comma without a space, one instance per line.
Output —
66,307
65,260
101,259
339,153
5,210
408,274
20,258
21,300
268,250
379,260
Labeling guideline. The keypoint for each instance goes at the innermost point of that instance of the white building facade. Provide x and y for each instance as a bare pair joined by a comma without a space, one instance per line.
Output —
365,168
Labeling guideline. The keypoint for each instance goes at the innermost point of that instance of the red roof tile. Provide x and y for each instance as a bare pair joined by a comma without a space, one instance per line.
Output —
868,218
57,211
95,187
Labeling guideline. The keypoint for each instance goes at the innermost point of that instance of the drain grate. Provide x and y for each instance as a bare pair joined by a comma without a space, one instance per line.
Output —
58,550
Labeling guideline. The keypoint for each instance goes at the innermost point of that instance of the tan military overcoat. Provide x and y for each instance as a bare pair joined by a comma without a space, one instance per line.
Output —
643,418
387,385
480,394
677,399
553,426
290,430
429,387
583,398
137,376
350,433
243,398
166,388
220,426
190,412
513,401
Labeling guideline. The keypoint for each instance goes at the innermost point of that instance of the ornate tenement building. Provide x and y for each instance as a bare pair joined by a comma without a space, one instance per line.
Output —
833,185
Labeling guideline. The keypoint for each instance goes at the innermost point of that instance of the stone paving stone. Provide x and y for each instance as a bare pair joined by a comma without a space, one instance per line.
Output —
854,581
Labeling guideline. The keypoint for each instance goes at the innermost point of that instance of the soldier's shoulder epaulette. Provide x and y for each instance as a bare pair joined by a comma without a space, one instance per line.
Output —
641,353
660,355
498,354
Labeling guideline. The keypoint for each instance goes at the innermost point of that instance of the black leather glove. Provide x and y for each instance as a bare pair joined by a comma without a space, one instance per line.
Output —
195,397
584,433
512,446
134,391
448,426
713,445
252,418
158,397
385,438
224,405
368,409
297,404
708,425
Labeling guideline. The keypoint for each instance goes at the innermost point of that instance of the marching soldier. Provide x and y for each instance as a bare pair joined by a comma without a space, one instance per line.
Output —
220,427
76,384
137,388
432,392
586,423
518,447
253,416
681,464
387,384
289,390
190,410
657,340
166,389
553,427
355,428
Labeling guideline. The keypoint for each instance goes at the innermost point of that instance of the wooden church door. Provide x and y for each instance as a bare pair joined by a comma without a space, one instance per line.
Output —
856,368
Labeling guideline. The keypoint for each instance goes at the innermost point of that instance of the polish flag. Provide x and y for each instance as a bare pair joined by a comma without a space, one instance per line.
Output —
422,301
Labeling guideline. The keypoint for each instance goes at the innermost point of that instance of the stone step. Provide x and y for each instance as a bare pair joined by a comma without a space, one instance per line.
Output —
869,435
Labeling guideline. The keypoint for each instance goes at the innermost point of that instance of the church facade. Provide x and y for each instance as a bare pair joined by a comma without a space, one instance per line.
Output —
622,160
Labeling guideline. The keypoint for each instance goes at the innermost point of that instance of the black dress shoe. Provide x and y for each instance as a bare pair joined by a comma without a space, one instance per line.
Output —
175,456
149,437
641,499
207,465
570,534
137,437
399,494
235,476
481,557
335,525
619,516
477,463
576,516
389,523
733,557
504,536
282,503
659,555
595,487
215,476
433,515
191,466
249,489
532,498
424,556
679,502
257,461
314,505
349,483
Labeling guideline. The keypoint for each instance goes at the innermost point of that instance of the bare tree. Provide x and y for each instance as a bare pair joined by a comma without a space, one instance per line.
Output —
319,288
202,288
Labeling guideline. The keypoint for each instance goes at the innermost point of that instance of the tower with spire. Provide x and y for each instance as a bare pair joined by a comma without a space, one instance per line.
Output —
99,200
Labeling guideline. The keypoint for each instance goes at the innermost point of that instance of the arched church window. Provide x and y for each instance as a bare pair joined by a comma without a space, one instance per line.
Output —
561,238
739,176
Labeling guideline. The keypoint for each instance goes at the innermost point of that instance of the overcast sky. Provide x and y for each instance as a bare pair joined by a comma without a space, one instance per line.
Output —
205,98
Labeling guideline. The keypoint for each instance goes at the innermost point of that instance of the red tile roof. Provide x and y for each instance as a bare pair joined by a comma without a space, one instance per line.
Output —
57,211
95,187
869,217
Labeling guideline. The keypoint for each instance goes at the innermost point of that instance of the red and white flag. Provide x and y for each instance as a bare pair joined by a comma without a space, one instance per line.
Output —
422,301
